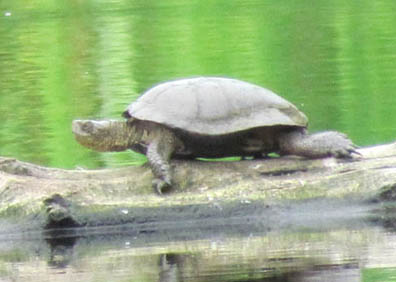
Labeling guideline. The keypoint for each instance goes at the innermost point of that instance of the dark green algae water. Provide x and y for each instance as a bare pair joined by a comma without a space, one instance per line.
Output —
62,60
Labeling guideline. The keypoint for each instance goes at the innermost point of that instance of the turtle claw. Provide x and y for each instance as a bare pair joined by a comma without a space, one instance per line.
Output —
341,146
161,186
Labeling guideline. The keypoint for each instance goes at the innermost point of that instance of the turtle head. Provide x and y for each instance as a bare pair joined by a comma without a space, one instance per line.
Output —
103,135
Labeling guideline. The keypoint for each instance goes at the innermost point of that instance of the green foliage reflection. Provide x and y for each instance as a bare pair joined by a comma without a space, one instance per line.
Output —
61,60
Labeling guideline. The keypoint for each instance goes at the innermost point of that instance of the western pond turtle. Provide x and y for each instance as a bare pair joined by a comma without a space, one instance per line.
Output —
209,117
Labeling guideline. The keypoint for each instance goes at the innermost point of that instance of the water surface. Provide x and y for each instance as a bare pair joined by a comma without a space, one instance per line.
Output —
355,254
89,59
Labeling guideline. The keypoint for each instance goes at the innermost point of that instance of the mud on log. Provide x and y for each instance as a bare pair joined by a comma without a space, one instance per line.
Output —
52,198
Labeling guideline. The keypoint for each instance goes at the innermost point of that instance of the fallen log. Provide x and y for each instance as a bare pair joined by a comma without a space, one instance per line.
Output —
206,192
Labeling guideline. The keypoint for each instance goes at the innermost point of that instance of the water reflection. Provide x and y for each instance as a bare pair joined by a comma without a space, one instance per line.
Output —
178,268
61,251
90,59
101,255
171,267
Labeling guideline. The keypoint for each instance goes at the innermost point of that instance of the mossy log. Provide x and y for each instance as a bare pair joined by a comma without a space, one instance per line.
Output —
205,191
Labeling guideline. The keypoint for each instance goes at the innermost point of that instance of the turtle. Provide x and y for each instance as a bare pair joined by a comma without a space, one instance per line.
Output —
209,117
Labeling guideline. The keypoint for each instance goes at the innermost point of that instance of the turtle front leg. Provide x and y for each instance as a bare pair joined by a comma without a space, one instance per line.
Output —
158,153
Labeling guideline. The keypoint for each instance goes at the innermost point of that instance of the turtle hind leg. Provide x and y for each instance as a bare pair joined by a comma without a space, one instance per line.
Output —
158,153
317,145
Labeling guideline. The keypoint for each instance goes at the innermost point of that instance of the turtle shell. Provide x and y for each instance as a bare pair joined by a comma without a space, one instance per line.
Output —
214,106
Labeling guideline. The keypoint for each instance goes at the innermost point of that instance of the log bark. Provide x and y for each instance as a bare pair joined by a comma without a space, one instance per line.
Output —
205,191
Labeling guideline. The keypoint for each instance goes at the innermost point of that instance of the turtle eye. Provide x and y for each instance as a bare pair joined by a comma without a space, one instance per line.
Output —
87,126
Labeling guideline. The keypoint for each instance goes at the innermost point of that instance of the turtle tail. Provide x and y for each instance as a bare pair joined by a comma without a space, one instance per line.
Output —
126,114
